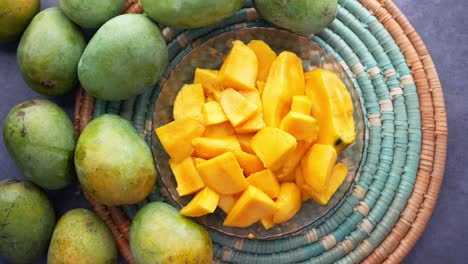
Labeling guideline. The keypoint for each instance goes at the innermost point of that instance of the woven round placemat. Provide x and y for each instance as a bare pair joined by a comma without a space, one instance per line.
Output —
402,170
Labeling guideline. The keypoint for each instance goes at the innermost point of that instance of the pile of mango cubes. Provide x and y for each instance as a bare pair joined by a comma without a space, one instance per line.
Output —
258,137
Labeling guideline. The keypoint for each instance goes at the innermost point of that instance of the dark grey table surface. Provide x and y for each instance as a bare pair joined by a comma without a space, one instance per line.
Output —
443,24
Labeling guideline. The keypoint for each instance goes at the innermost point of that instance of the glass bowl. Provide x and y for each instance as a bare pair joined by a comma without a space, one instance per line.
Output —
210,55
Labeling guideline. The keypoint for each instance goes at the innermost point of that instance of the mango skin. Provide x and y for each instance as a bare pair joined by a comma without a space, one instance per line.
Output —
126,56
91,13
187,14
27,221
81,237
15,17
41,139
49,52
113,163
304,17
160,234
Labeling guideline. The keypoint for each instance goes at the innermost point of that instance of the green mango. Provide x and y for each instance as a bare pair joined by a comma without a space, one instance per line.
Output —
91,13
81,237
160,234
15,16
113,162
300,16
126,56
41,139
27,220
49,52
190,13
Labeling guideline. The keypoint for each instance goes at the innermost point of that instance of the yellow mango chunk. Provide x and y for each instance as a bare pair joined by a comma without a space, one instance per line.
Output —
219,130
286,173
198,160
208,80
260,87
286,178
244,140
301,104
333,108
338,176
236,107
226,202
265,181
288,202
248,162
285,80
300,182
204,202
223,174
251,206
317,166
189,102
213,113
256,122
302,127
265,57
207,148
273,146
176,137
239,70
186,175
267,222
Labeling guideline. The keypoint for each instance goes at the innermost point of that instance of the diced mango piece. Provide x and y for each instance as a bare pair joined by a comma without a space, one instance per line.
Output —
186,175
244,140
288,202
265,181
236,107
285,80
223,174
204,202
301,104
226,202
256,122
176,137
208,79
293,161
207,148
267,222
302,127
189,102
240,68
317,166
260,87
248,162
300,182
198,160
252,205
219,130
273,146
265,57
213,113
338,176
286,178
333,108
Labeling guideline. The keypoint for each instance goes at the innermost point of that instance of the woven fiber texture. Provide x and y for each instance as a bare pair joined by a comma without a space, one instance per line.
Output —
403,166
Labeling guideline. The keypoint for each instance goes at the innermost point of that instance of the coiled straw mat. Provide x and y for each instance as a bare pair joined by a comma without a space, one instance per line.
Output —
401,175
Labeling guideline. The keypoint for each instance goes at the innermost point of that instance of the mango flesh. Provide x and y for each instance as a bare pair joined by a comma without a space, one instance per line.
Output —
204,202
49,52
15,17
41,139
187,14
300,16
337,177
189,102
239,70
219,130
81,237
266,181
208,79
207,148
126,56
160,234
265,57
236,107
186,175
317,166
28,220
114,164
288,202
89,13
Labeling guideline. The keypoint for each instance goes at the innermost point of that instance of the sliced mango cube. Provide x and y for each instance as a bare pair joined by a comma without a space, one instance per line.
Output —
208,79
252,206
186,175
240,68
176,137
213,113
273,146
267,222
207,148
300,182
293,161
256,122
288,202
291,177
248,162
226,202
189,102
266,181
244,140
265,57
302,127
338,176
236,107
204,202
219,130
223,174
301,104
317,166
